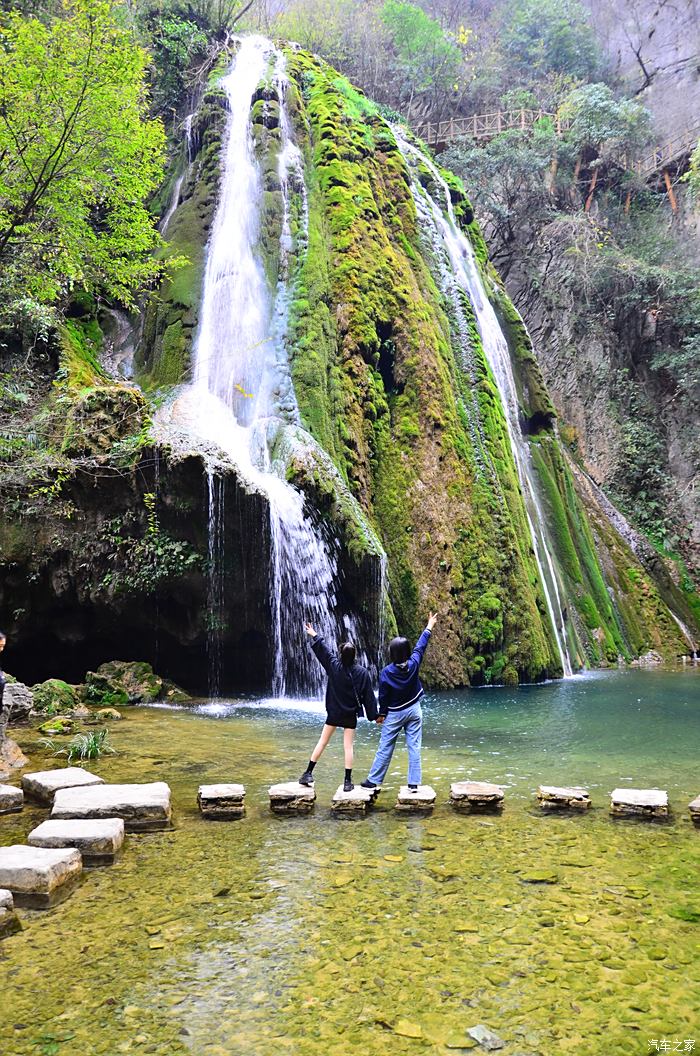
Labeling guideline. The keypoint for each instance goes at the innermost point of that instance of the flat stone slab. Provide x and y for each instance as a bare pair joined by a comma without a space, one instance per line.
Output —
141,807
476,795
11,799
563,797
639,802
221,801
421,800
291,798
486,1038
355,802
694,808
39,877
44,784
98,841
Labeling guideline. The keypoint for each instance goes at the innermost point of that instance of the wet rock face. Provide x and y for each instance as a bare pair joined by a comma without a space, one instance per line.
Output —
102,583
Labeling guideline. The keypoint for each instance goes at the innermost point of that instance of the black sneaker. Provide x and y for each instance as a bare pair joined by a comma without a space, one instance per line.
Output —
367,784
307,778
347,785
413,788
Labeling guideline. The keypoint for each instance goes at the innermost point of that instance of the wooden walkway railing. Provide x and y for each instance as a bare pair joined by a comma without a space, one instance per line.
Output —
486,126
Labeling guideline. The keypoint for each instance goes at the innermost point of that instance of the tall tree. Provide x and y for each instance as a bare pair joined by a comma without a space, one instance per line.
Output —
78,157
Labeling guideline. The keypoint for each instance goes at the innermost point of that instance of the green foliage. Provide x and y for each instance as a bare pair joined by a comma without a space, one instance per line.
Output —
78,157
176,43
84,746
54,697
142,563
424,58
551,36
600,120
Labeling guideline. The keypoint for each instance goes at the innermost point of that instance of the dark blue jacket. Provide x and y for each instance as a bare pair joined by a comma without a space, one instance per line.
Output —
349,689
399,684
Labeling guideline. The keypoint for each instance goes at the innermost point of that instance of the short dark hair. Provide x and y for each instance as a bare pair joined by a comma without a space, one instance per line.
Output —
347,654
3,635
399,650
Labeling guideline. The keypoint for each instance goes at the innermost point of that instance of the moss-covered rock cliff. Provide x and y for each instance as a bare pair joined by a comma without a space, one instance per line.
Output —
414,434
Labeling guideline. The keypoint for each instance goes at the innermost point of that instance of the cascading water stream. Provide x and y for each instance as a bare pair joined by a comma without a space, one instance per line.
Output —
465,273
242,398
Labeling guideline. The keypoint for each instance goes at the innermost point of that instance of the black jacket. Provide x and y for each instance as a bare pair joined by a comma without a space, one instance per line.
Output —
349,689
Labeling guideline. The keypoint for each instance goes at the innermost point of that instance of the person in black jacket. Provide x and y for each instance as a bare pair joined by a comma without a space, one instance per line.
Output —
348,693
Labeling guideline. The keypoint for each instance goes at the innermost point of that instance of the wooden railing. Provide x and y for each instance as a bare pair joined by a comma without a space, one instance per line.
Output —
484,126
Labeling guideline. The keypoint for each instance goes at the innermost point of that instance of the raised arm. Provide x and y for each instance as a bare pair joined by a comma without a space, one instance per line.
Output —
418,653
368,700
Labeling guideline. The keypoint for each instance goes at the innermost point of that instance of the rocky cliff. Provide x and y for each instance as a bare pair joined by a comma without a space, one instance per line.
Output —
107,552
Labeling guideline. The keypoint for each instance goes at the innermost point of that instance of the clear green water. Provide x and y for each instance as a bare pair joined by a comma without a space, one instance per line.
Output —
300,936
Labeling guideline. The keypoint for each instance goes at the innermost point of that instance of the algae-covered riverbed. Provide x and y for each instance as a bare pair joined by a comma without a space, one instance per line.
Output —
388,934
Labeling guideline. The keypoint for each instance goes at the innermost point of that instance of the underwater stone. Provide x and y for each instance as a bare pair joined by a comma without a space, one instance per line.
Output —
557,797
11,799
140,806
291,798
485,1037
476,795
639,802
39,877
9,921
355,802
694,808
44,784
422,800
221,801
98,841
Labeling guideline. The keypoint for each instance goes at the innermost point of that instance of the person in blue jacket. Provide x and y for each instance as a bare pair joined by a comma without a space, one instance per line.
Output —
400,693
348,693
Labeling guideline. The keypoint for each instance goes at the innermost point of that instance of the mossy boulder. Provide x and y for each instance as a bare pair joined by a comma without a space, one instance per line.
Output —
108,715
54,696
58,727
122,682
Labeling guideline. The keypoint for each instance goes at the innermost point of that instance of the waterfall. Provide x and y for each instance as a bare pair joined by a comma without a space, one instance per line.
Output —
463,275
241,401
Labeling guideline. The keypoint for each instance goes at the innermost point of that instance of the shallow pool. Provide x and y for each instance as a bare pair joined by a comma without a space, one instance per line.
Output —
387,934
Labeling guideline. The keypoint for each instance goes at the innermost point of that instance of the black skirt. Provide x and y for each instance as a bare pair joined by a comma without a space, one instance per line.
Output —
341,717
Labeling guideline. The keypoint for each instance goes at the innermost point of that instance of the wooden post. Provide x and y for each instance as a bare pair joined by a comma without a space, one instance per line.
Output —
522,118
670,192
591,189
628,199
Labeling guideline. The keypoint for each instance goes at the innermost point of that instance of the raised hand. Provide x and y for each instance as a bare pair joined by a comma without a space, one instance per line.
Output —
432,620
309,630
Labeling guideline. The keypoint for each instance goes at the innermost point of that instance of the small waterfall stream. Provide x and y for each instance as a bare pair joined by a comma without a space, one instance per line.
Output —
464,272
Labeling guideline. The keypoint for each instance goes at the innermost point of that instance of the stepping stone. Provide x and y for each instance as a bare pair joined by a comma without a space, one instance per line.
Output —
562,797
39,877
11,799
419,802
98,841
355,802
142,807
694,809
221,801
9,921
46,783
291,798
639,802
475,795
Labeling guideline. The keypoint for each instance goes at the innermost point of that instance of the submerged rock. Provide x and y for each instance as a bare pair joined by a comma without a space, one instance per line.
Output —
486,1038
9,921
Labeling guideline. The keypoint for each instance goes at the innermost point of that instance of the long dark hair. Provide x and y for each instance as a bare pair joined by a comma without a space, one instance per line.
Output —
399,650
347,654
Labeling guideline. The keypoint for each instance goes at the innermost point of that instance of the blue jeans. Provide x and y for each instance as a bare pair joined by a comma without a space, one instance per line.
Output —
410,720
